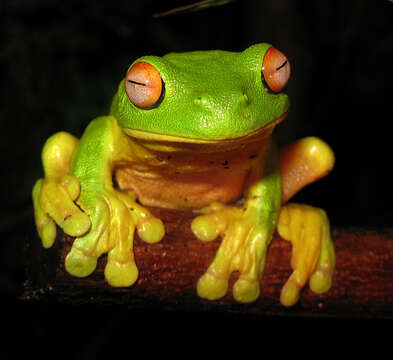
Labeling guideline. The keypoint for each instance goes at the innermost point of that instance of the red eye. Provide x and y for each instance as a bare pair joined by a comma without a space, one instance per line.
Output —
144,85
276,69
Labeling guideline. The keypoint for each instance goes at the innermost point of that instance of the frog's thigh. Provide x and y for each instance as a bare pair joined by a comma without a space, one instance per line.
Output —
313,257
302,162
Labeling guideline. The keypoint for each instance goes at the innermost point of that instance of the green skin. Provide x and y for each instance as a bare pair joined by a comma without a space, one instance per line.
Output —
209,97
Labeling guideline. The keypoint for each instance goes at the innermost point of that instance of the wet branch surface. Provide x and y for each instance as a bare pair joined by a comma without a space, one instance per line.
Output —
169,270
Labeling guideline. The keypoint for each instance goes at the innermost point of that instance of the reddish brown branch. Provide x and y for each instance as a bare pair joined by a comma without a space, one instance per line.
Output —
168,272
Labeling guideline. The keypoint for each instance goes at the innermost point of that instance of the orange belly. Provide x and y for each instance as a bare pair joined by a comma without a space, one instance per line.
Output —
185,190
191,175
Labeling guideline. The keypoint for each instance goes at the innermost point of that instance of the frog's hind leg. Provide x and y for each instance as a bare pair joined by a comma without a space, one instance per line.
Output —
313,257
303,162
306,227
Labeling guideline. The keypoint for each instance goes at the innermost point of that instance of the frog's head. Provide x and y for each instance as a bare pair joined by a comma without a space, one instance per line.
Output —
203,96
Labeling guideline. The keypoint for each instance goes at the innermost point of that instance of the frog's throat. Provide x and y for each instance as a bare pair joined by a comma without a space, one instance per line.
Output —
170,143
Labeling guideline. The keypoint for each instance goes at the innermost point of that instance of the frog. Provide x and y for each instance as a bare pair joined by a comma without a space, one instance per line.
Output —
191,131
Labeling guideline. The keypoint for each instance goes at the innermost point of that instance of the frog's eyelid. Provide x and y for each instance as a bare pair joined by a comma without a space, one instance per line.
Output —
136,82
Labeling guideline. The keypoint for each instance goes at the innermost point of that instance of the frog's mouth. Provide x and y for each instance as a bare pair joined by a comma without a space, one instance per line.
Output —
172,143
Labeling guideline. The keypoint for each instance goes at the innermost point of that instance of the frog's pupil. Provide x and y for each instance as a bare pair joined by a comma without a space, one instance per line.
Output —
136,82
282,65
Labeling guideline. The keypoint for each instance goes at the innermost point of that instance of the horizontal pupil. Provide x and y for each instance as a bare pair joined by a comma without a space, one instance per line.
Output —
281,66
136,82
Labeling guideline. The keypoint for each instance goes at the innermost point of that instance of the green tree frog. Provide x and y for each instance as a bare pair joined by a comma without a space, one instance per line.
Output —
191,131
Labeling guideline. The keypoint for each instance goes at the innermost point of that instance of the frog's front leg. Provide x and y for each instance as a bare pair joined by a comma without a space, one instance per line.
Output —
246,233
112,216
306,227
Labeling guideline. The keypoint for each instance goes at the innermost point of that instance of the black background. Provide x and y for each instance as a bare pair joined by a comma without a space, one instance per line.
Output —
61,62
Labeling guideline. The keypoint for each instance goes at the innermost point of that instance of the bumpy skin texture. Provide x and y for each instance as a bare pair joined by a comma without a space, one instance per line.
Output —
208,95
206,145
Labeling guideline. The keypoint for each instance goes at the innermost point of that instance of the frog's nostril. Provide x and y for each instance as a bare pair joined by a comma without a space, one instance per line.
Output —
201,100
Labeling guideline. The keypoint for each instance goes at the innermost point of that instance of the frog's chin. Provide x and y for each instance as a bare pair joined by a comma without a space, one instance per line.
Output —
171,143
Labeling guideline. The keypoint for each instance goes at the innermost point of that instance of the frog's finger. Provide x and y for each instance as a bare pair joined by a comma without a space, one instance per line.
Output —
205,228
212,287
71,185
208,227
150,229
246,289
121,269
45,225
214,283
57,204
81,261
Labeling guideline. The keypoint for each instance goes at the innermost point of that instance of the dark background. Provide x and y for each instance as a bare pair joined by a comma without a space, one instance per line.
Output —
61,62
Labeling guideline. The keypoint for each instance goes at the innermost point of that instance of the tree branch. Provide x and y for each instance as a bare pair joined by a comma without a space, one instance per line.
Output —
169,270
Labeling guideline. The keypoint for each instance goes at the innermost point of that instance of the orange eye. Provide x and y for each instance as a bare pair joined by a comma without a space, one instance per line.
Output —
276,70
144,85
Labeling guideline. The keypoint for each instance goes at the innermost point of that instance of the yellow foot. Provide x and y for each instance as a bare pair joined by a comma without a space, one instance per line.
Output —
313,256
243,248
114,216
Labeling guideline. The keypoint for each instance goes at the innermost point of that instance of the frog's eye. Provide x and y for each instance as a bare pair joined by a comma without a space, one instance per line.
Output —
275,70
144,85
